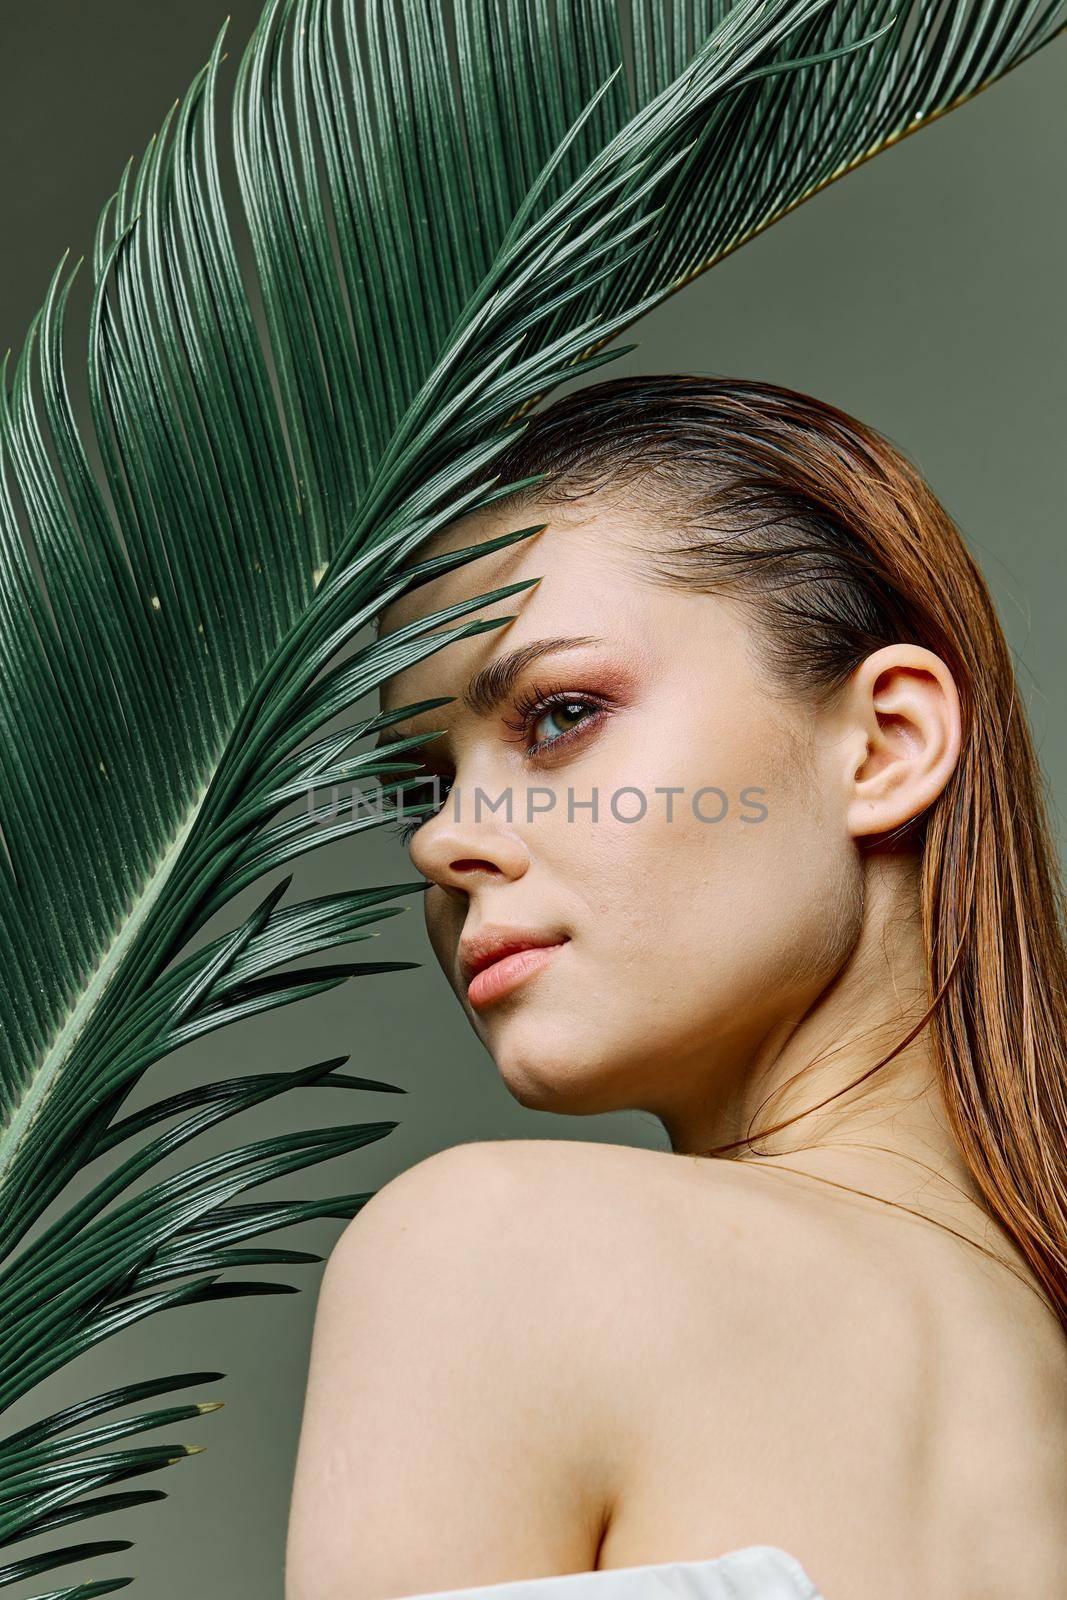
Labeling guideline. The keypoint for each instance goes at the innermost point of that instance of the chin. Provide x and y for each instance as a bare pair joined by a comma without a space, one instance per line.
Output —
544,1080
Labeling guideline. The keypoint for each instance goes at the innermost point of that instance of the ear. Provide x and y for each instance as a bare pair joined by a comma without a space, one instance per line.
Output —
904,733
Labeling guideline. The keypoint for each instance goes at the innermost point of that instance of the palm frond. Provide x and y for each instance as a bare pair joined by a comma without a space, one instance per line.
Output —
451,208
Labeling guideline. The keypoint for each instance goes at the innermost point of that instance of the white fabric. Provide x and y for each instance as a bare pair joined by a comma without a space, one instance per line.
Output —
759,1572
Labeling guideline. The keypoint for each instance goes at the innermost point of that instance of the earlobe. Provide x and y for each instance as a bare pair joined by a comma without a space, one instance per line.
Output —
906,705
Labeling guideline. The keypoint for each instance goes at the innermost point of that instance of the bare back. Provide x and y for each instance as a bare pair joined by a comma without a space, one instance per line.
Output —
800,1367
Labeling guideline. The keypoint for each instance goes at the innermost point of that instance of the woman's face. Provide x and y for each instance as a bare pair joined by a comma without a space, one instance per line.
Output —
698,926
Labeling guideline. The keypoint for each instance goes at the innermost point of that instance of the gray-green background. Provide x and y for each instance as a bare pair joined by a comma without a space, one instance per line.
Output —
924,293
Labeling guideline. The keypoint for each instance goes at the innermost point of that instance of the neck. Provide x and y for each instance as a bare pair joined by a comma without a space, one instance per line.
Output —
888,1134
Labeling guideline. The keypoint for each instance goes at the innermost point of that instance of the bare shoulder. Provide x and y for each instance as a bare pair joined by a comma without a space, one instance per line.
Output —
584,1223
628,1356
453,1429
763,1263
590,1222
776,1361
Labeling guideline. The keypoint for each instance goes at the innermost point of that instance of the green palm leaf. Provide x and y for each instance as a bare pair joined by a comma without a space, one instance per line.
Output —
451,209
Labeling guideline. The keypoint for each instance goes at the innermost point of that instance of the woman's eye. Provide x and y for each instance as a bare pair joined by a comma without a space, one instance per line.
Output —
542,722
566,715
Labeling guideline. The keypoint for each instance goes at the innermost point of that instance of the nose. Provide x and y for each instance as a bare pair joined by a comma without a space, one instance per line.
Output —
459,854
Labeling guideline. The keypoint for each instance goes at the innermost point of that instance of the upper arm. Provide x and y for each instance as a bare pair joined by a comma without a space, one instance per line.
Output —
450,1424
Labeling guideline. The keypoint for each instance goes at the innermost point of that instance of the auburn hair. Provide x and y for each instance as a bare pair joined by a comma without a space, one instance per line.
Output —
836,544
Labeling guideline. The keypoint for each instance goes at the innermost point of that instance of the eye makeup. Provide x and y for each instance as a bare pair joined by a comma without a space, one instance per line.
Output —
531,705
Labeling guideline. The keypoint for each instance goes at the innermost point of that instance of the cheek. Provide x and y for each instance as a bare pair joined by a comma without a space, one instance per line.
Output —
720,916
790,892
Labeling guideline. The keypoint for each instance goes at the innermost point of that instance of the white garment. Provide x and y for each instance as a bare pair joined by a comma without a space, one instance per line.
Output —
758,1572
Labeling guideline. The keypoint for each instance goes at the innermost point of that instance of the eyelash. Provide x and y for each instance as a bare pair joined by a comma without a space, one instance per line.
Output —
533,703
530,707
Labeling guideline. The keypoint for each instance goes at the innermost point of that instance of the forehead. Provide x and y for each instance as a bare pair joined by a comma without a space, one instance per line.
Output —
587,560
590,533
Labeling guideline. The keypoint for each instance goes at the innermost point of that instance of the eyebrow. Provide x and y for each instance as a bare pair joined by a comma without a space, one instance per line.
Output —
494,683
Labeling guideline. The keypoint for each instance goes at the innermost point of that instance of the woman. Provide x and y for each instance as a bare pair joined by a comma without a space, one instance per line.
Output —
813,924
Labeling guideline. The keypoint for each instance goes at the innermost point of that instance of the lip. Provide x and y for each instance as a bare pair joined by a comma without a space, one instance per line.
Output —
496,959
501,977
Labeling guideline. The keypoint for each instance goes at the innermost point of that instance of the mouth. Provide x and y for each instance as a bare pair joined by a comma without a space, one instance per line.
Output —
500,965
